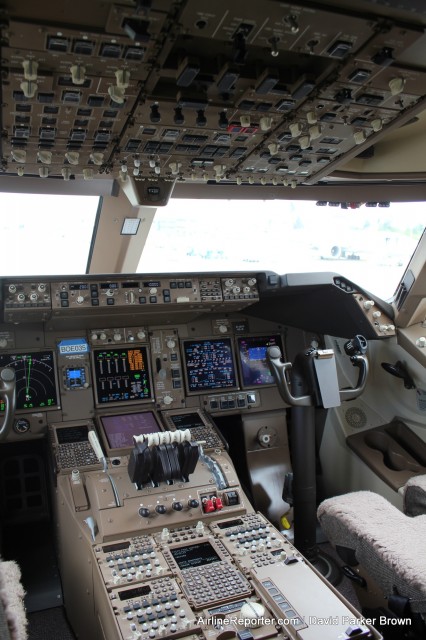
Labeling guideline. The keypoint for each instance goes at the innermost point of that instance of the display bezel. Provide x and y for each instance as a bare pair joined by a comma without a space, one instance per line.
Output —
54,379
126,401
209,390
102,430
245,384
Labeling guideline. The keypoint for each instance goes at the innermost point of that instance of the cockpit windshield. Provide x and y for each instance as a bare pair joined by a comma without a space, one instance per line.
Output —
370,243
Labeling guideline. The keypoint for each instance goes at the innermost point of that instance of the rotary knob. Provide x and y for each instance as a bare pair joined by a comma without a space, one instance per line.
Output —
177,506
161,509
141,335
171,343
117,337
144,512
80,300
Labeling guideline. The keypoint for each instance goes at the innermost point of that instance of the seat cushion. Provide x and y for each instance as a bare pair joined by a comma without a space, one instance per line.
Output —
13,621
390,545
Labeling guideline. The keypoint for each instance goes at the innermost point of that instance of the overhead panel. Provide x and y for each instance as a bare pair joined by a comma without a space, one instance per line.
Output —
266,93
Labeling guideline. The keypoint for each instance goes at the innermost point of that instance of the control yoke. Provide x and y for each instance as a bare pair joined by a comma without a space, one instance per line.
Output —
325,375
8,394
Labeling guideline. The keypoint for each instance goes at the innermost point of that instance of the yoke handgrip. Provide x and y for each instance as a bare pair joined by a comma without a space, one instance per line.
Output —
8,393
279,369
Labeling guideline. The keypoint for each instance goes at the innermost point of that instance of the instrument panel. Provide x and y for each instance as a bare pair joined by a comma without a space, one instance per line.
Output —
91,345
139,400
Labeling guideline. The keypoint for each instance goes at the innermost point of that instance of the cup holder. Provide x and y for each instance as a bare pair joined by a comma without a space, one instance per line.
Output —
392,458
392,451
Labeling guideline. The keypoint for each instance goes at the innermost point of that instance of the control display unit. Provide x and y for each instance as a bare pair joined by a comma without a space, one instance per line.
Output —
120,429
187,420
195,555
209,365
202,428
35,375
252,350
121,375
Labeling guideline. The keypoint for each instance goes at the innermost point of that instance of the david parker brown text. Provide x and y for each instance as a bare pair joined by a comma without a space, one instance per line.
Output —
310,620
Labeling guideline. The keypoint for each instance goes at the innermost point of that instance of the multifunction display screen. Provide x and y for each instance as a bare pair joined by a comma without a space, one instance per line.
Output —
119,430
209,364
195,555
255,370
35,379
121,375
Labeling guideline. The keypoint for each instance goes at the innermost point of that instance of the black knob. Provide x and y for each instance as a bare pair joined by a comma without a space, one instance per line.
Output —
193,503
160,508
144,512
177,506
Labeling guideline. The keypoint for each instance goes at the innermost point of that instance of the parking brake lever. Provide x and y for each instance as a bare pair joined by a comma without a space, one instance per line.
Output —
8,393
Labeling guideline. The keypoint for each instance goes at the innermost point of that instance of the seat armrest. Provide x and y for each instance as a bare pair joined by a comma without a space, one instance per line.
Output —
414,493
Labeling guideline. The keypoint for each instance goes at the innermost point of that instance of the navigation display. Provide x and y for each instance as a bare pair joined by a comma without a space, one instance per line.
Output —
255,371
209,364
35,379
121,375
119,430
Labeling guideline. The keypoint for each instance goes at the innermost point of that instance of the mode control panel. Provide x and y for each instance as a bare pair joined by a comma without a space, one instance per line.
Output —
126,293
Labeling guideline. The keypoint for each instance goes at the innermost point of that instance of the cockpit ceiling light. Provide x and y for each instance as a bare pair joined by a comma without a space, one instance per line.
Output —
130,226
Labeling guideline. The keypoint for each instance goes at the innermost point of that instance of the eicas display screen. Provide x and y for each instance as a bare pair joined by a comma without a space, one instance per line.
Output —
121,375
209,364
119,430
255,371
35,379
